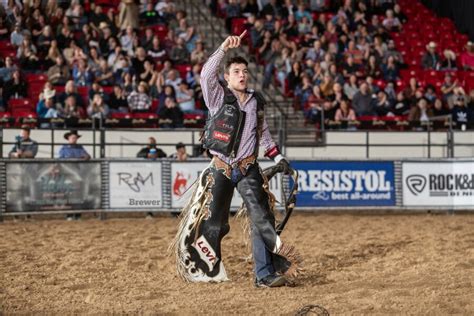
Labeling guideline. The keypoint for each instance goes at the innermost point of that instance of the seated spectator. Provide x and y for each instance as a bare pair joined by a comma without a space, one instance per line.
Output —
185,98
431,59
362,101
156,51
59,73
139,101
350,68
390,69
151,151
149,75
46,107
439,109
467,57
314,106
104,75
118,101
4,32
430,93
172,78
391,51
16,37
391,23
161,93
461,114
24,147
180,154
420,112
52,53
15,88
139,60
327,86
70,91
458,93
350,87
97,89
316,53
179,53
232,10
372,68
402,105
6,70
127,39
449,61
344,112
26,44
29,61
199,54
448,86
81,74
98,108
382,105
71,109
171,115
294,77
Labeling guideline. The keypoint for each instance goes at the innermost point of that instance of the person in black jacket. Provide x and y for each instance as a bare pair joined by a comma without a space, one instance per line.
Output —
171,115
15,88
151,151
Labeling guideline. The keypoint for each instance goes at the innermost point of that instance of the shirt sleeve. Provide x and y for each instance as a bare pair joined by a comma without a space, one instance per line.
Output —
34,149
62,153
266,141
213,92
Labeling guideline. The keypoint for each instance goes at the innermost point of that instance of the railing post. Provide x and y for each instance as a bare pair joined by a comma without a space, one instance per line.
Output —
93,138
450,139
429,142
102,138
52,142
367,146
1,142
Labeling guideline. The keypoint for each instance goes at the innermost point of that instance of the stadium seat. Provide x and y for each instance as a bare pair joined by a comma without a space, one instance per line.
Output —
21,104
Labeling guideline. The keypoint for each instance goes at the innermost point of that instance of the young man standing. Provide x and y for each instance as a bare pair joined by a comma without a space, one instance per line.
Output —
205,220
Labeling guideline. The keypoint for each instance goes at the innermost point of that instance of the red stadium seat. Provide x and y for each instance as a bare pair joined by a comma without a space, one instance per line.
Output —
21,104
145,115
39,78
183,70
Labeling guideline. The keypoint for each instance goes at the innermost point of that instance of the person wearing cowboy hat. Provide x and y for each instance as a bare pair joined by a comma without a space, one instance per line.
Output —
467,57
46,107
431,59
72,150
449,61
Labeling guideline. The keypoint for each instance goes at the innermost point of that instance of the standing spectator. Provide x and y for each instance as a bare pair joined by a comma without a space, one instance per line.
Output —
139,101
467,57
129,13
25,147
180,153
461,114
59,73
362,101
171,115
151,150
73,151
431,59
98,108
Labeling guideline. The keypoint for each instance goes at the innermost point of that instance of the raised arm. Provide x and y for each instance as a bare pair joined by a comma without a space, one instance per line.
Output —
213,92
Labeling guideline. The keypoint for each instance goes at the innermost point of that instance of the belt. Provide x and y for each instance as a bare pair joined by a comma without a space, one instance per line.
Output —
243,165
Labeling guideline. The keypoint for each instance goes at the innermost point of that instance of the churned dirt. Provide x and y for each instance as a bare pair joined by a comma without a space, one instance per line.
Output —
354,264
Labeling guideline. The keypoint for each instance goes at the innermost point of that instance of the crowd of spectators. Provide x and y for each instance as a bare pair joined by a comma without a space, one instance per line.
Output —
119,58
340,57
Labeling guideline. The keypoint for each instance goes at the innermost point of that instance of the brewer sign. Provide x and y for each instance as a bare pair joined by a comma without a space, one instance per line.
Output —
438,183
345,183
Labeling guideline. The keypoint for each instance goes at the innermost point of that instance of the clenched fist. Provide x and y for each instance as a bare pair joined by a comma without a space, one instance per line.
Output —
232,41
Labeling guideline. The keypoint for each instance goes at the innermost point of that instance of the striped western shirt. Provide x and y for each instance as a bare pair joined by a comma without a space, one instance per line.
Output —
214,98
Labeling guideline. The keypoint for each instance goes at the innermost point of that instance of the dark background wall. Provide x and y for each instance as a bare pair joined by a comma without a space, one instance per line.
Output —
460,11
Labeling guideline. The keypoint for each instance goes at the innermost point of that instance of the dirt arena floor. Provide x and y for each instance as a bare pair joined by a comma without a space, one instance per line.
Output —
354,264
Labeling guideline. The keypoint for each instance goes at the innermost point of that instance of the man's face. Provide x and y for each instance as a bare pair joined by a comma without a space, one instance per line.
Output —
72,139
237,77
24,134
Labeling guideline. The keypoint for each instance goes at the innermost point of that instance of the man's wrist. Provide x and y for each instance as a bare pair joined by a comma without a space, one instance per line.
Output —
279,158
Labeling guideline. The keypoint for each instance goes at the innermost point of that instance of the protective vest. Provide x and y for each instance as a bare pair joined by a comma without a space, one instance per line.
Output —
223,131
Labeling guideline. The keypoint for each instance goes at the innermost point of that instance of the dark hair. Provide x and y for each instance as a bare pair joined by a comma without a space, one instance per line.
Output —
234,60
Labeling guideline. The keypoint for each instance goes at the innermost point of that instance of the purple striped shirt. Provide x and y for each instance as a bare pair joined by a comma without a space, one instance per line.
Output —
214,97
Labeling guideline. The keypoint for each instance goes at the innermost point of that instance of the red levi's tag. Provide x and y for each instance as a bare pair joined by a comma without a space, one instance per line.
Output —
221,136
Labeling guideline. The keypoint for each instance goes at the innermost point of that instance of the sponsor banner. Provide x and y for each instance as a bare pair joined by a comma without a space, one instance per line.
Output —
184,174
345,183
135,185
50,186
438,183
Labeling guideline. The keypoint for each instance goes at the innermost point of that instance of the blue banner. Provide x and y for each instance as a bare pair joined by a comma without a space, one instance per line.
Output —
345,183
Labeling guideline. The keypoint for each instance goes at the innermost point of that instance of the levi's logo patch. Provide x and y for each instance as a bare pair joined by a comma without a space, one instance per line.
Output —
221,136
